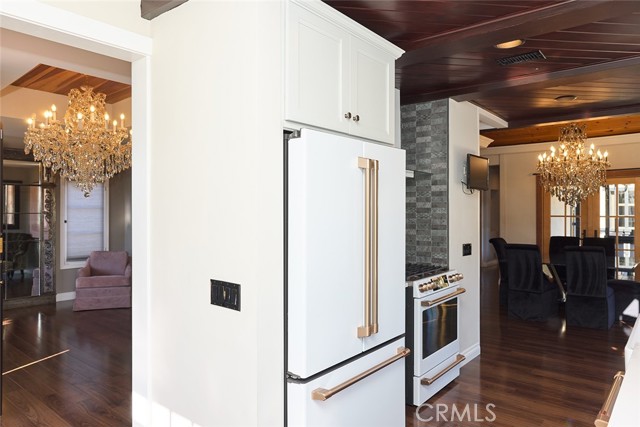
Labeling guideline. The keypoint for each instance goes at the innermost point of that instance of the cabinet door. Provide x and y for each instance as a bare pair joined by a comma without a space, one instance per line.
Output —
316,71
325,251
391,242
372,94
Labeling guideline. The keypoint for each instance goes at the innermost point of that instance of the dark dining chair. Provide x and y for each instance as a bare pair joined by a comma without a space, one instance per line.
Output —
557,255
609,245
531,295
500,246
590,301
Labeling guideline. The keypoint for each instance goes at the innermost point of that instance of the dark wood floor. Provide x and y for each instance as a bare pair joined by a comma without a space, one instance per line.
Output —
536,374
88,385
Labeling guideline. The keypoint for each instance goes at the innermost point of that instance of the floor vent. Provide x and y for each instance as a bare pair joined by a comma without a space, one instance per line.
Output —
525,57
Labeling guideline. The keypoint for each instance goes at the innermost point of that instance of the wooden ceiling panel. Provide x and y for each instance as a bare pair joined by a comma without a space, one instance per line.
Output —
408,22
592,50
57,80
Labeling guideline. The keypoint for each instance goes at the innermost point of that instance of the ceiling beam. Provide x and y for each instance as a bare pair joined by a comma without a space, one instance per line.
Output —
532,82
150,9
549,132
544,20
582,114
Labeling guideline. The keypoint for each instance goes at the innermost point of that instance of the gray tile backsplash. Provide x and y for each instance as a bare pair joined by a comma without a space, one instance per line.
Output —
425,138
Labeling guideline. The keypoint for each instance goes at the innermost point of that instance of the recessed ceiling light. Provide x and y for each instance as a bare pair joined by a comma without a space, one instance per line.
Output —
510,44
566,98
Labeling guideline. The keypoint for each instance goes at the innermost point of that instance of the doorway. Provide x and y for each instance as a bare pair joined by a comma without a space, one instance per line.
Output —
490,217
55,24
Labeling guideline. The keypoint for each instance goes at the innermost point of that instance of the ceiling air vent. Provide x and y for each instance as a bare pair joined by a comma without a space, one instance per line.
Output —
535,55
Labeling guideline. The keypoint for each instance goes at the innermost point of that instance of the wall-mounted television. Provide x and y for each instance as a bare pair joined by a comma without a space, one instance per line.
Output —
477,172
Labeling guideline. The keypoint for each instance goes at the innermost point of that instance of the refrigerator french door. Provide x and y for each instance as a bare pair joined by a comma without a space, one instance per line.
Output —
345,282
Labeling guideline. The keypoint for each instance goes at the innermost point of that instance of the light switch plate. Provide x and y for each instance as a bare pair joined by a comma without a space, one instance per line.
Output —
466,249
225,294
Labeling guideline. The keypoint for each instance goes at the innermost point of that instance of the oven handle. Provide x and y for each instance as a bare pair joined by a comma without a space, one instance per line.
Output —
602,420
443,299
324,394
428,381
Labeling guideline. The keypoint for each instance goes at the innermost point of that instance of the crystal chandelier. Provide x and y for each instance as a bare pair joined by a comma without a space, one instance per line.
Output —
572,173
86,148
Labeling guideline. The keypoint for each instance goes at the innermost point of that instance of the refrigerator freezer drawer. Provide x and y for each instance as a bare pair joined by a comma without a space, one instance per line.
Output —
377,400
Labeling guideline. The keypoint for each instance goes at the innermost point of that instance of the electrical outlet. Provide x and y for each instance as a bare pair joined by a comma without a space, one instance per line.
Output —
466,249
225,294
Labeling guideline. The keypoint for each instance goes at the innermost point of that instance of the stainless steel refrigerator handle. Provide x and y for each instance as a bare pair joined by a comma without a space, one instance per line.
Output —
602,420
374,249
366,164
324,394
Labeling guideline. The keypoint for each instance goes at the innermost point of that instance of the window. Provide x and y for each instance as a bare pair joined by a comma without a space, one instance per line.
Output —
564,219
609,213
616,218
85,223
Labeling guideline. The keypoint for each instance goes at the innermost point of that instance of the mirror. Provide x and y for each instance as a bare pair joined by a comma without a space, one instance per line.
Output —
27,230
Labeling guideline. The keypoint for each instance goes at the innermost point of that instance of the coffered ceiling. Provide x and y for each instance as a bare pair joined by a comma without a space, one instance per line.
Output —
35,73
590,50
57,80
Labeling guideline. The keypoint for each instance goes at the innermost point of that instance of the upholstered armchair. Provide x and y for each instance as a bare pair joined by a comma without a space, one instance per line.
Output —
590,301
104,281
557,254
531,295
500,246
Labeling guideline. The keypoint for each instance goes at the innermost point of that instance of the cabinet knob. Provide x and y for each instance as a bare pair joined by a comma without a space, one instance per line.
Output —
347,116
356,118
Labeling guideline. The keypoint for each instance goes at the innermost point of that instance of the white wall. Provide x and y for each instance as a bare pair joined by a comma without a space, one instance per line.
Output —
121,13
464,221
518,184
217,160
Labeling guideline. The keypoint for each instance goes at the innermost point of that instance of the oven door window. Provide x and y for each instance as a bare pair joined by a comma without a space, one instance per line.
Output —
439,326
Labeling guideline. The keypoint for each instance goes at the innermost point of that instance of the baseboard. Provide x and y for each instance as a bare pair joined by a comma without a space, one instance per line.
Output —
29,301
470,353
489,263
66,296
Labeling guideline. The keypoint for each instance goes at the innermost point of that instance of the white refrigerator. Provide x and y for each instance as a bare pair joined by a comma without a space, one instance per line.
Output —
345,282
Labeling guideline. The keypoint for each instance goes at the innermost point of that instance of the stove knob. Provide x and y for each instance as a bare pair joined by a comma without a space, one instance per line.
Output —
427,287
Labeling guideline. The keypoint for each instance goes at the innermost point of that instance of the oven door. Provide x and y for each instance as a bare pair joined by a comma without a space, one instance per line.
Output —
436,329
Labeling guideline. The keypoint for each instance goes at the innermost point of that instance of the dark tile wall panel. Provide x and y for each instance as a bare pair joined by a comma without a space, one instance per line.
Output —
425,138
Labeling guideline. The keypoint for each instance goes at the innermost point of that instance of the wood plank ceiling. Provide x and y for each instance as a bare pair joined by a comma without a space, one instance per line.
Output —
592,50
57,80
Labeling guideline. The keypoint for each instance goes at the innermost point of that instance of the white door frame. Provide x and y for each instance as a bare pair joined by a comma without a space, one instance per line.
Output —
45,21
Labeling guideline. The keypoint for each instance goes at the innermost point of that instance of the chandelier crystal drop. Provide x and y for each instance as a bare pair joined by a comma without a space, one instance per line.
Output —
572,172
86,148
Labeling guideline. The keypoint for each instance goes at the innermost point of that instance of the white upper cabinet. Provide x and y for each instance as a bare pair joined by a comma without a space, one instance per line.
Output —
339,75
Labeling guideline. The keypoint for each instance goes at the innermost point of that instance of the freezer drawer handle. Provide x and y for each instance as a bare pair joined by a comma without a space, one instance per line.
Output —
429,381
324,394
371,247
444,298
602,420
